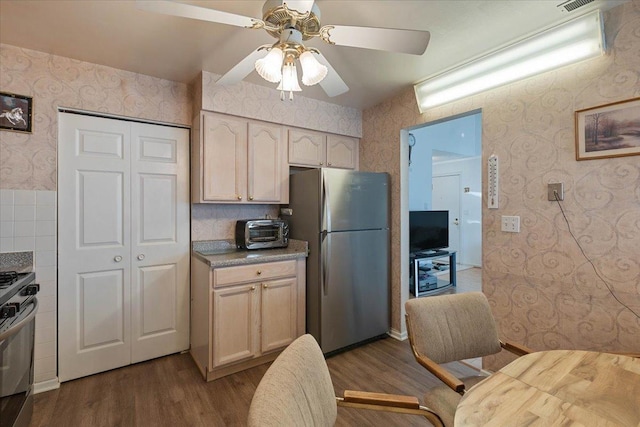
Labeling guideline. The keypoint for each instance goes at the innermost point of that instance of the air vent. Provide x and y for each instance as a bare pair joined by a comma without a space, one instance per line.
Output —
573,5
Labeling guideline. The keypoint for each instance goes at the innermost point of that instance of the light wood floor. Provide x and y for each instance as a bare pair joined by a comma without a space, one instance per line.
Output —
169,391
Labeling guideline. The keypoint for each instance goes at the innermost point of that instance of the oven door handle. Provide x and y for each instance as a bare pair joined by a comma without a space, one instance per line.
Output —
14,329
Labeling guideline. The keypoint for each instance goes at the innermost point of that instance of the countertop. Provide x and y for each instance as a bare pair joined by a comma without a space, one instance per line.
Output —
223,253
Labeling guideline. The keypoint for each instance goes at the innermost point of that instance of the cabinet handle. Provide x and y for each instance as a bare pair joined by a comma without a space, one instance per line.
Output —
117,258
321,163
239,197
264,285
253,288
259,272
329,164
140,257
250,197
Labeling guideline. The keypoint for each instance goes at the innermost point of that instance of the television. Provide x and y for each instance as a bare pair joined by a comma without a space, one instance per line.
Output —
428,230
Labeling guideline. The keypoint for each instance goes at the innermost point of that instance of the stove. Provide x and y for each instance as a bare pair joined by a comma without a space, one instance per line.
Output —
18,308
12,283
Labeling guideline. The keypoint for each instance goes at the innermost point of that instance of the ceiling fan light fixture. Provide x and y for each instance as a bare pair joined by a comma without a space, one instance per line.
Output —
312,70
270,67
289,82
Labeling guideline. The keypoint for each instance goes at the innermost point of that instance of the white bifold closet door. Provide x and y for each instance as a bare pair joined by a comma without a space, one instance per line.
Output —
123,243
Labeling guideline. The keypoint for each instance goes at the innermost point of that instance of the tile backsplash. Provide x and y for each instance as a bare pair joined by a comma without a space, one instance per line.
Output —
28,224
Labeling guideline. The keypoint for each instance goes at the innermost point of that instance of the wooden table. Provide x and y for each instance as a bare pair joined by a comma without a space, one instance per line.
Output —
557,388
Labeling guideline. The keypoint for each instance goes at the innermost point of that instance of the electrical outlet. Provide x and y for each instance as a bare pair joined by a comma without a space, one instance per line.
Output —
511,224
553,190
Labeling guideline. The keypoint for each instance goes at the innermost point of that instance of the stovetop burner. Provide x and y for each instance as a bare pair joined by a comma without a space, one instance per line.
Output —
7,278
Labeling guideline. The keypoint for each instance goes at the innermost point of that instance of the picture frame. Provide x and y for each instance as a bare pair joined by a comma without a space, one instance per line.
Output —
609,130
16,112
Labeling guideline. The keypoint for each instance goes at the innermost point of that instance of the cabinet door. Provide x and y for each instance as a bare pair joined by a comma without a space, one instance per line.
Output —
342,152
278,317
306,148
224,158
235,324
267,173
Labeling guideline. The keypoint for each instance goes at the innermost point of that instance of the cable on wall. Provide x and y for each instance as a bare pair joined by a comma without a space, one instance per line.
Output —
555,193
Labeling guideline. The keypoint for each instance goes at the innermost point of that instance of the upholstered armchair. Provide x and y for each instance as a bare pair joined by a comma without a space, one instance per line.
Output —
297,391
449,328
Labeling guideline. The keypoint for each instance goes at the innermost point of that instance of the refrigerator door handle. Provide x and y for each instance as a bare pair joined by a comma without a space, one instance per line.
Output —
326,255
326,207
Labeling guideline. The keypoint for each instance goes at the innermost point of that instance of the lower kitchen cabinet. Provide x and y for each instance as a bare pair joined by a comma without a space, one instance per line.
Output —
243,316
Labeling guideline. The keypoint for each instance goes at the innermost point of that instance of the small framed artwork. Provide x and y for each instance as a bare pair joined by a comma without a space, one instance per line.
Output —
15,112
610,130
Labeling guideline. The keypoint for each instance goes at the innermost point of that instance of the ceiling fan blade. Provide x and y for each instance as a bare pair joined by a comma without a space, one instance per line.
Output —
393,40
194,12
301,6
332,84
242,69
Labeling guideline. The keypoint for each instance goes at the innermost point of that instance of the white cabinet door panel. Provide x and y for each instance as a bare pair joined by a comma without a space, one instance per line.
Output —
100,208
101,310
158,209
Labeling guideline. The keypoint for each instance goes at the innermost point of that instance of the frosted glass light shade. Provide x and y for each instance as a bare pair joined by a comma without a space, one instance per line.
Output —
270,67
312,71
570,42
289,80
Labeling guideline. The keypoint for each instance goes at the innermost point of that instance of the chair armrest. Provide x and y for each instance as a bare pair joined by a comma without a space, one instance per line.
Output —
395,403
384,399
517,349
445,376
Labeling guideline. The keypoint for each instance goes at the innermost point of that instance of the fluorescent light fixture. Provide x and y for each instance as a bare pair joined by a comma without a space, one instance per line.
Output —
572,41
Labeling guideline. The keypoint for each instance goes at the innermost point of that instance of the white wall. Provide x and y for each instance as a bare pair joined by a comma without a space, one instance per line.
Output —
461,136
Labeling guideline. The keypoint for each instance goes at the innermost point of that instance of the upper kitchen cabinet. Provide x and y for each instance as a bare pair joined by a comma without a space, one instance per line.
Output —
316,149
236,160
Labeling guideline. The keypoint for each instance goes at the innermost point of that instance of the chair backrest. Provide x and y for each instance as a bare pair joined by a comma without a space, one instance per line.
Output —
296,390
447,328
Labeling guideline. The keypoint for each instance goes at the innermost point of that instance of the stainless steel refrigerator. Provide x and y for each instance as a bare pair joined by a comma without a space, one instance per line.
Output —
344,215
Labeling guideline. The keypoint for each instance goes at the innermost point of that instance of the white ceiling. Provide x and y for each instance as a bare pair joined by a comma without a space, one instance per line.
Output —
115,33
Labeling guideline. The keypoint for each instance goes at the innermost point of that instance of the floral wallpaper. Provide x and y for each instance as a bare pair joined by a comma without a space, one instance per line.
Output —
543,292
28,161
263,103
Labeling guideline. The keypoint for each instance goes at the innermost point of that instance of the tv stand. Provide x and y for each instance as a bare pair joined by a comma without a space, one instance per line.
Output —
423,280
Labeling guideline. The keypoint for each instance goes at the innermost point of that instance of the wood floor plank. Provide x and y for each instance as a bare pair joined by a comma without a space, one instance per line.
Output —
170,391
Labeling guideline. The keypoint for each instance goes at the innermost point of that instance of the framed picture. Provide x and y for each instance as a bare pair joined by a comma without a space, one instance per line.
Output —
15,112
610,130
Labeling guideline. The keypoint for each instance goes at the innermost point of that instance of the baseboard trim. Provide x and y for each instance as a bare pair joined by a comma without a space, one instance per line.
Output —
395,334
47,385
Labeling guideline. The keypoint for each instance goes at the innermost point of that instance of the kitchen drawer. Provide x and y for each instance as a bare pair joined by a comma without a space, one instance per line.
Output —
253,273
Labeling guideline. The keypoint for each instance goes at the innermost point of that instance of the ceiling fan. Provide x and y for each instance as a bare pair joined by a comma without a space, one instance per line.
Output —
291,23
